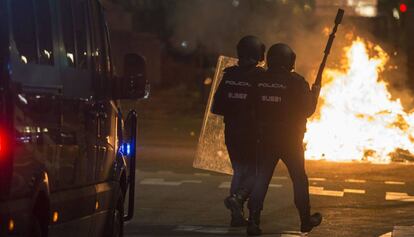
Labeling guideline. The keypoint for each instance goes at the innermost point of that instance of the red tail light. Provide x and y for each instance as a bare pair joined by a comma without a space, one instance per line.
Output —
403,7
6,163
4,144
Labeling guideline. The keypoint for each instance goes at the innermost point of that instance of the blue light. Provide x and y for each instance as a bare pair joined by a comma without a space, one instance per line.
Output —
128,149
125,149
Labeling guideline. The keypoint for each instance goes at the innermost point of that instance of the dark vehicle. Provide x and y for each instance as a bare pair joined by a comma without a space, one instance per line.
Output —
67,156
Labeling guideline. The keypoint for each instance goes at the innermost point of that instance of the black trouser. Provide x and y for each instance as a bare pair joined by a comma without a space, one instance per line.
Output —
243,161
291,152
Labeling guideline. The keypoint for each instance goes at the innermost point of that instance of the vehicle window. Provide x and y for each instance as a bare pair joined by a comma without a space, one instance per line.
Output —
24,30
98,52
81,33
68,31
44,28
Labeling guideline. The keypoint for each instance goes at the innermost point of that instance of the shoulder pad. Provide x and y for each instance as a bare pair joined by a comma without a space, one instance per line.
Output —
297,76
300,79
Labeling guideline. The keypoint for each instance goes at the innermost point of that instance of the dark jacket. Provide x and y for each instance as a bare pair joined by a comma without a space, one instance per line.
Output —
234,100
284,102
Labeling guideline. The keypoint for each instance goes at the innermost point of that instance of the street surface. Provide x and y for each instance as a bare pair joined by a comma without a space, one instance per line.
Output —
174,199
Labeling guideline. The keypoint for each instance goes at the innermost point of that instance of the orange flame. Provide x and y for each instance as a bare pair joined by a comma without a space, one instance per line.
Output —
357,119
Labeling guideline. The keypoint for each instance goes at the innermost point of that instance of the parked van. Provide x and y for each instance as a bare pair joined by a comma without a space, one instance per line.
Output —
67,154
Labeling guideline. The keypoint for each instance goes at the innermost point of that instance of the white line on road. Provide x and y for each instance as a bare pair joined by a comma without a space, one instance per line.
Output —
167,183
224,185
201,229
228,184
314,190
355,181
275,185
202,174
191,181
317,190
396,196
159,182
226,230
394,182
279,177
317,179
387,235
187,228
357,191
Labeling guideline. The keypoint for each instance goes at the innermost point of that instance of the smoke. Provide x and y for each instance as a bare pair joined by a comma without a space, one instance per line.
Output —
217,25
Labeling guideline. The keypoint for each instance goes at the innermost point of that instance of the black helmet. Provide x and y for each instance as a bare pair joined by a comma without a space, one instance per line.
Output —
281,56
250,50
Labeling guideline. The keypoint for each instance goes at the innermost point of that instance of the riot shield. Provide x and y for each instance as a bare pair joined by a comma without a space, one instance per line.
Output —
211,151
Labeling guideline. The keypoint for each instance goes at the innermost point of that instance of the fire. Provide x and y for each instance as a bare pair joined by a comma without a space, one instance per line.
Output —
357,118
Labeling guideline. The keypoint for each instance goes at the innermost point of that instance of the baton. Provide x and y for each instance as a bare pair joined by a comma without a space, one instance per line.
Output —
328,47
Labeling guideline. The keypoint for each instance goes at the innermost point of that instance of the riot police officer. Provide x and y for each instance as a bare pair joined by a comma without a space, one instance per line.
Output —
234,100
284,102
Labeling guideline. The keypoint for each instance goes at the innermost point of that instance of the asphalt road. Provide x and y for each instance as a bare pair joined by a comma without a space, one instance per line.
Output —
356,199
174,199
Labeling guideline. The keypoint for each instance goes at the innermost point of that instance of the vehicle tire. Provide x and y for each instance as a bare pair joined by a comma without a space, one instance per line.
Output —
118,218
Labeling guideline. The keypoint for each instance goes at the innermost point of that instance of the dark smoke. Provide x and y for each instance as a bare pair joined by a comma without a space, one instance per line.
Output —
217,25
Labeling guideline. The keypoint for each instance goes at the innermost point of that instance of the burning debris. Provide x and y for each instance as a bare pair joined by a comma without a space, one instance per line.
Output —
357,118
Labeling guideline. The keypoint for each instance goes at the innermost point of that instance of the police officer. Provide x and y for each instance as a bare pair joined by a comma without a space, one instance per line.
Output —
284,102
234,100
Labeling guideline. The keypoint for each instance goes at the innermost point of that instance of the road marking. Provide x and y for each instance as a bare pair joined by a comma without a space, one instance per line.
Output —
389,234
314,190
394,182
202,174
317,190
316,179
357,191
201,229
227,230
280,177
224,185
167,183
355,181
395,196
191,181
275,185
159,182
228,184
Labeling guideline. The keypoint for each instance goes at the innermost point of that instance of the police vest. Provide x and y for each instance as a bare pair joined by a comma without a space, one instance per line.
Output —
238,86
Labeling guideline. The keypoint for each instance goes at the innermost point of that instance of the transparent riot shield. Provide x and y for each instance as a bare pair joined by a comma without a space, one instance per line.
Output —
211,151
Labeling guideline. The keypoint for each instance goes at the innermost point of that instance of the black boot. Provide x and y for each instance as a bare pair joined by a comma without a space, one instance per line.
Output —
237,217
235,204
309,222
253,227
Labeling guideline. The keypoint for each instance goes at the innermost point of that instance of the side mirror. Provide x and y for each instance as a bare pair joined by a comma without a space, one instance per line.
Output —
134,83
